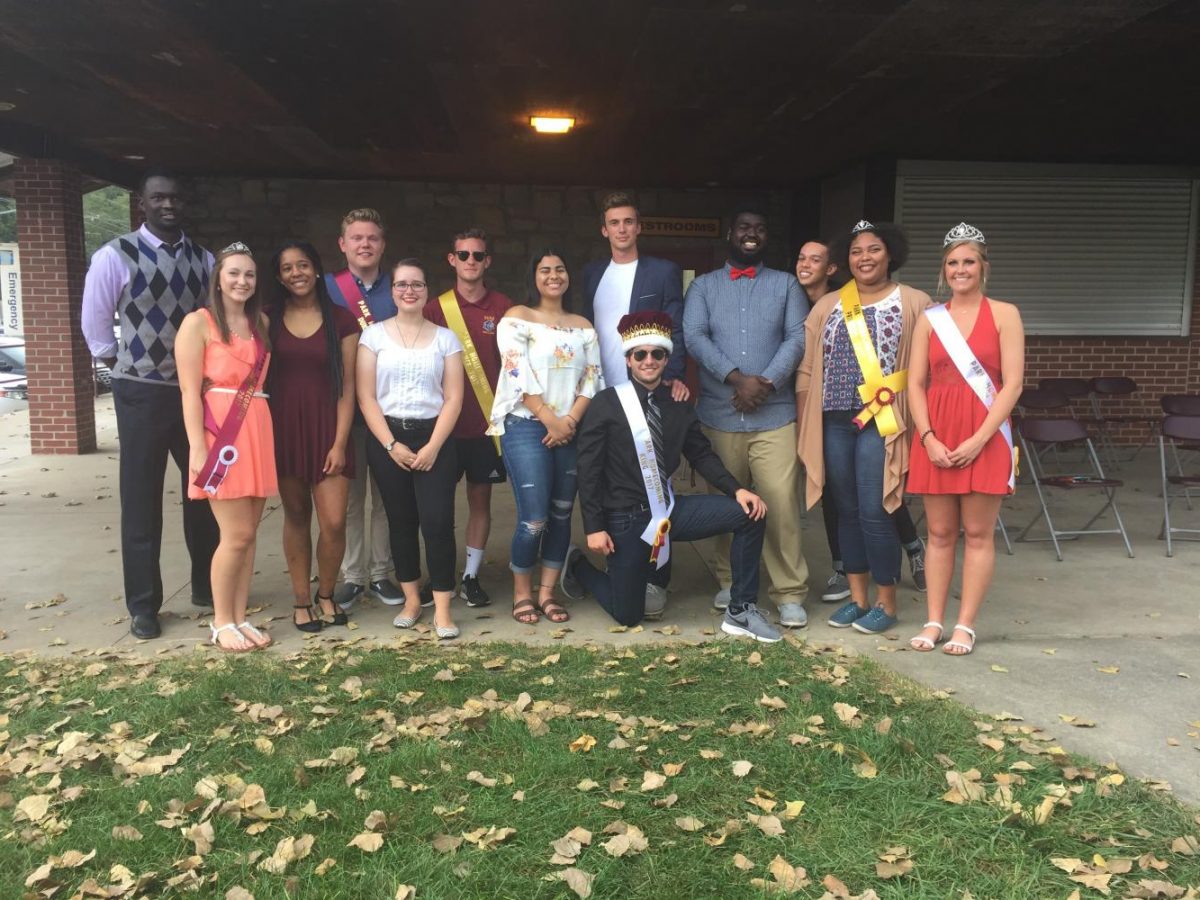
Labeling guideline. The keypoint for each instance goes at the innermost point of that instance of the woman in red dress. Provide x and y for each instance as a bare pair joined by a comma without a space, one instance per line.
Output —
961,461
312,401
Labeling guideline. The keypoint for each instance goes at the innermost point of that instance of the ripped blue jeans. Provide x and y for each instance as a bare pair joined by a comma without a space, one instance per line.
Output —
543,483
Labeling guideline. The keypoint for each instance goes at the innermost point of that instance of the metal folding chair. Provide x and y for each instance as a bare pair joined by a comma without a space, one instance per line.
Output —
1116,387
1041,400
1047,432
1071,388
1182,405
1176,429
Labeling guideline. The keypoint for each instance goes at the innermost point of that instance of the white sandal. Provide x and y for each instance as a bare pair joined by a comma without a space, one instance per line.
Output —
966,648
266,639
230,627
923,644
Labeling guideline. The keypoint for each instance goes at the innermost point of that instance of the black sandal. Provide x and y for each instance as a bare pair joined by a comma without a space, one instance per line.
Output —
338,618
314,624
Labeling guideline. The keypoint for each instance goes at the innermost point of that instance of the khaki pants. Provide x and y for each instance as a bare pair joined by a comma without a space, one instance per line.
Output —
359,531
765,462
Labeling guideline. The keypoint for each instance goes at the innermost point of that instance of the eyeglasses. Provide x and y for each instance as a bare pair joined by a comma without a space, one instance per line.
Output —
658,354
464,255
403,286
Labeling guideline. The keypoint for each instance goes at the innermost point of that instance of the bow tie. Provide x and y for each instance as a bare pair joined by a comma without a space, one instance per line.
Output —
748,272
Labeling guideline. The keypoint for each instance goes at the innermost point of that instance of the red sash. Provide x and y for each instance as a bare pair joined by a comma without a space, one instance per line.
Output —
350,289
223,453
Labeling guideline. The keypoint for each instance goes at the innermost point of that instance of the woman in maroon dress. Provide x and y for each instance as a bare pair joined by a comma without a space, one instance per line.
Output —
961,461
312,404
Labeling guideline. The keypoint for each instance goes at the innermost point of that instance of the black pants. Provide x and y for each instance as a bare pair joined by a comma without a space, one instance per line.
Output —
905,527
622,589
150,427
418,503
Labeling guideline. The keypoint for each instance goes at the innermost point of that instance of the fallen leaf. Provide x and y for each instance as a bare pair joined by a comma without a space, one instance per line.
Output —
1108,670
447,843
768,825
406,892
652,781
742,862
893,869
576,879
368,841
742,768
481,779
688,823
582,744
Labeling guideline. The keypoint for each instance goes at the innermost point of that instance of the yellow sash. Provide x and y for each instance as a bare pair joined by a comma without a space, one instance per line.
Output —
877,391
471,361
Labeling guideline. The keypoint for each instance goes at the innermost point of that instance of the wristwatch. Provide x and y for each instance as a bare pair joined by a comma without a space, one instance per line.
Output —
389,445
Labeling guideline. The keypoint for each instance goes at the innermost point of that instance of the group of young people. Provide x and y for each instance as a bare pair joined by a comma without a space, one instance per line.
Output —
329,388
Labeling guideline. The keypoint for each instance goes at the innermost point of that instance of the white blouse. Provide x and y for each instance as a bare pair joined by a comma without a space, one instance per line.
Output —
408,381
559,364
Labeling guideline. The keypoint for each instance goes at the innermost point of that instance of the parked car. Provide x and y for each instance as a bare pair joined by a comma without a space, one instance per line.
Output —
14,382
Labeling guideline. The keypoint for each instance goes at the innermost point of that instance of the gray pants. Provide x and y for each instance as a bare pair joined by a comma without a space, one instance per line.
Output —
359,531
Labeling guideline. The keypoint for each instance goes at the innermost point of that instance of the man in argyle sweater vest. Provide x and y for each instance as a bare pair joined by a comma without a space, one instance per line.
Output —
149,280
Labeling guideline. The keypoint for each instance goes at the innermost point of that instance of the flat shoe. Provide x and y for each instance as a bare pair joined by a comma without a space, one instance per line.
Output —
962,649
922,644
447,633
403,621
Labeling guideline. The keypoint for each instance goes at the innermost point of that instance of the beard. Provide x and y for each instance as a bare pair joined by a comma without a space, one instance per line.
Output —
739,256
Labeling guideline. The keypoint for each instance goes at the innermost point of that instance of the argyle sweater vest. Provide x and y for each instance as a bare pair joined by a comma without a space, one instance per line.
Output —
162,289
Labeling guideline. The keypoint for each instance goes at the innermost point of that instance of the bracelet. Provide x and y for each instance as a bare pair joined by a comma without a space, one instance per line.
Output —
574,421
927,433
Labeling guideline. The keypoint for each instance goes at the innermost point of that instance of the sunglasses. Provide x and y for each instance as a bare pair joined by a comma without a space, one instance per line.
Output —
658,354
464,255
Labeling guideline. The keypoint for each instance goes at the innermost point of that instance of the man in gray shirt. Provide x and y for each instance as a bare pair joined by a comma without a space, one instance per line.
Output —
744,324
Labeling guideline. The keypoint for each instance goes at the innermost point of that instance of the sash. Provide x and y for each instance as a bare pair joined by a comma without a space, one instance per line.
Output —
661,498
223,453
973,373
877,391
350,289
471,361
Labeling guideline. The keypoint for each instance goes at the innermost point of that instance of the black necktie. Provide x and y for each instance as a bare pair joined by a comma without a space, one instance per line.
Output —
172,249
654,421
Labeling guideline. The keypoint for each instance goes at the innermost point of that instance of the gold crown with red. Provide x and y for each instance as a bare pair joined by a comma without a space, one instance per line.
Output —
645,329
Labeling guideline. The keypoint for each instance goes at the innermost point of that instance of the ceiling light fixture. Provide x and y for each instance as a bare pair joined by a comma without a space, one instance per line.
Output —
552,124
7,107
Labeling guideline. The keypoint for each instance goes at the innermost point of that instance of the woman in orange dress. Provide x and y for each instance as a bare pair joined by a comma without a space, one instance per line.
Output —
216,352
960,460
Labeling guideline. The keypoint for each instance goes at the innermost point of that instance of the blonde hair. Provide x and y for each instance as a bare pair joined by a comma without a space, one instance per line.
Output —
980,249
365,214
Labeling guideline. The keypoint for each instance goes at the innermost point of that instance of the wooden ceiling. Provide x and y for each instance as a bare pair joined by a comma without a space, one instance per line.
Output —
667,92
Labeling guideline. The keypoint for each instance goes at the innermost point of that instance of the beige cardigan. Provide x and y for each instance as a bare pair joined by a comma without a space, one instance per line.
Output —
812,375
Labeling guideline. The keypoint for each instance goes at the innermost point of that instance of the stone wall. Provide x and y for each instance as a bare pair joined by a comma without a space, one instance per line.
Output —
422,217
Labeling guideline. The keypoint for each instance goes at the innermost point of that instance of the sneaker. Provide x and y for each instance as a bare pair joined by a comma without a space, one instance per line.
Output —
472,591
836,588
656,602
916,563
874,622
387,592
721,599
752,624
792,615
567,579
846,615
347,595
427,594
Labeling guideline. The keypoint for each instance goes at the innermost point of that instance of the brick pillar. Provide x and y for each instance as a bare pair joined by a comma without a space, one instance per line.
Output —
62,415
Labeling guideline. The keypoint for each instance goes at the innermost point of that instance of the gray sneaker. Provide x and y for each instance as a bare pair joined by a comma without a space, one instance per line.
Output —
721,599
567,580
752,624
792,615
656,602
347,595
388,593
836,588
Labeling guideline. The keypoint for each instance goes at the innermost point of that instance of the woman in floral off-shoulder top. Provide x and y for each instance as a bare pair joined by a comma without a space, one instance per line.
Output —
550,370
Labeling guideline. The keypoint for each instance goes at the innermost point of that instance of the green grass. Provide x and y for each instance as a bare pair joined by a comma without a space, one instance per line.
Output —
667,703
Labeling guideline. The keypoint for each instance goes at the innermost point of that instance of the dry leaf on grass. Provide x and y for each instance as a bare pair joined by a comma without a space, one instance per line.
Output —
447,843
688,823
576,879
789,879
488,838
742,768
652,781
237,892
582,744
367,842
768,825
406,892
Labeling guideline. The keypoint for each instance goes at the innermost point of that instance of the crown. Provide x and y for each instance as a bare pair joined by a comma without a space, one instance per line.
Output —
963,232
237,247
652,328
863,225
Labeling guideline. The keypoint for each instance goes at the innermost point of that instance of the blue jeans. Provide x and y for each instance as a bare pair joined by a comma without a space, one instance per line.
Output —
622,590
854,476
543,483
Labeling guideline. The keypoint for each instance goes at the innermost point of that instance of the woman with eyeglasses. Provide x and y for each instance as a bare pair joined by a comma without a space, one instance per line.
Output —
550,370
410,389
312,402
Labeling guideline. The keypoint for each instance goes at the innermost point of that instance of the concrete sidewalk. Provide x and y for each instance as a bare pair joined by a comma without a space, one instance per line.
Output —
1100,637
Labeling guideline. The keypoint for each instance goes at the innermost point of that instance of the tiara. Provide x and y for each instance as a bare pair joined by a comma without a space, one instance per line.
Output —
863,225
237,247
963,232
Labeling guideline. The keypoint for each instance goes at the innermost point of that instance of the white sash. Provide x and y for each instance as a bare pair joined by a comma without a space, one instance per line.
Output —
972,371
660,496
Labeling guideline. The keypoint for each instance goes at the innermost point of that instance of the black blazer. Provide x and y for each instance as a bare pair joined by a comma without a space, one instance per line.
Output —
657,286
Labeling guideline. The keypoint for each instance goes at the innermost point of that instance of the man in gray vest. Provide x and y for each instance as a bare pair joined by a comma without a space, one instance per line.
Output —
150,279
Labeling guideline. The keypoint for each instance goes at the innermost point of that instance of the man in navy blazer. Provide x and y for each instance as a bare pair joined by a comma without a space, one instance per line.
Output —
630,283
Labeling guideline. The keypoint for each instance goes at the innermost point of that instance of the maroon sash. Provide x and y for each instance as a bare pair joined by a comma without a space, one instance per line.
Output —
223,453
349,288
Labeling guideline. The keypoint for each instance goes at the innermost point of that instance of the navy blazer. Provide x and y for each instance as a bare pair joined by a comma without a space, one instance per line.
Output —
657,286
